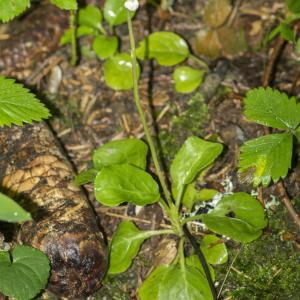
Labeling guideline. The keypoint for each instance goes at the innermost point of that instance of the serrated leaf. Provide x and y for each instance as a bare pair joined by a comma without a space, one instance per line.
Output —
267,157
118,72
187,79
105,46
85,177
272,108
238,216
214,250
216,12
10,211
90,16
18,105
115,12
184,283
166,47
127,151
116,184
65,4
194,156
12,8
125,245
26,275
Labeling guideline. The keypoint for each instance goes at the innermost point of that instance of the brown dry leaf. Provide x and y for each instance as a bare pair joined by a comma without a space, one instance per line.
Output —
232,40
207,43
216,12
165,252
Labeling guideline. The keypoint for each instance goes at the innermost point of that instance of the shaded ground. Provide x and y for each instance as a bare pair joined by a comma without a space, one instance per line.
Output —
88,114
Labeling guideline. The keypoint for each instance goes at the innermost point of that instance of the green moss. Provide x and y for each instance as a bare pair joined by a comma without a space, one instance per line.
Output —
190,122
268,268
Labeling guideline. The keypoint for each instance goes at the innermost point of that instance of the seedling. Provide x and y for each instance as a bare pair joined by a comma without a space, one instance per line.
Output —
119,175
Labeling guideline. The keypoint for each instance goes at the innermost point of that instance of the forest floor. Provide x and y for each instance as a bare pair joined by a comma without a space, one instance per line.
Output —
86,114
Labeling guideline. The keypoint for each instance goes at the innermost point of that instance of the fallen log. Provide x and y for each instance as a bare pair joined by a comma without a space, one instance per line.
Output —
34,170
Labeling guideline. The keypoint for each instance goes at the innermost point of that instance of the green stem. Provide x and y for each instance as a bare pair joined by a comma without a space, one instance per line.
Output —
102,30
199,61
190,219
159,232
73,41
181,253
142,115
179,197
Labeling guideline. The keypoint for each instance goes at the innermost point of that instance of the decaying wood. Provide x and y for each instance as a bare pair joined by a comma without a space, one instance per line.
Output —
34,170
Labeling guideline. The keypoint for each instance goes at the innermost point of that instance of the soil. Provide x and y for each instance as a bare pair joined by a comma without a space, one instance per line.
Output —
86,114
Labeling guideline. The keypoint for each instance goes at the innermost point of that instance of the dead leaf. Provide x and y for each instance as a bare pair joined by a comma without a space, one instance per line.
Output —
216,12
207,43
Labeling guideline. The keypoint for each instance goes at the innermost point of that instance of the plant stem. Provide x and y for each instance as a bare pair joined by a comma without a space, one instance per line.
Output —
142,115
190,219
179,196
200,62
160,232
73,41
181,253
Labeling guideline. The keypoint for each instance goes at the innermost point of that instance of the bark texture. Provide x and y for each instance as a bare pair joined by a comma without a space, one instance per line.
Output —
34,170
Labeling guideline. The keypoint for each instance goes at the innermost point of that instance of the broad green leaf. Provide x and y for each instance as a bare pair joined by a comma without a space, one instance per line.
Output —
125,246
85,177
18,105
187,79
216,12
187,283
189,196
238,216
65,4
194,156
90,16
272,108
12,8
214,250
127,151
206,194
149,288
115,12
193,261
297,133
166,47
118,72
105,46
116,184
293,5
287,32
26,275
267,157
66,38
10,211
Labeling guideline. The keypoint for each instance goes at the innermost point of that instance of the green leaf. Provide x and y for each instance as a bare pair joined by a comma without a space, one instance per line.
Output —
18,105
10,211
194,156
65,4
272,108
127,151
115,12
267,157
286,32
90,16
193,261
297,133
206,194
85,177
187,79
118,72
105,46
26,275
166,47
66,38
214,250
12,8
125,245
184,283
189,196
238,216
116,184
149,288
293,6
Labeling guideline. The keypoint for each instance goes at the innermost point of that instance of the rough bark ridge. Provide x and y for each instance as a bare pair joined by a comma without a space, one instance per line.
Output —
34,170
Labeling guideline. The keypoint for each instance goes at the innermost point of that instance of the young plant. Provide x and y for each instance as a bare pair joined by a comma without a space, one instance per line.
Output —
119,175
24,271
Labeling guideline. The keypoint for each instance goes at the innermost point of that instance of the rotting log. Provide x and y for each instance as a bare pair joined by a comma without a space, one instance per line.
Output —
34,170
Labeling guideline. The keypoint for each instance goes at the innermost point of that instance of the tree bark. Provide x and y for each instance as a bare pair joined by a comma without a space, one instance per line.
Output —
34,171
